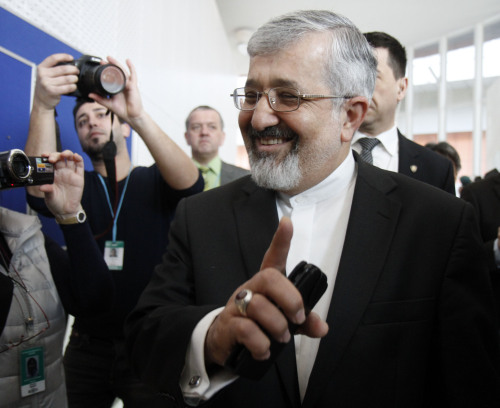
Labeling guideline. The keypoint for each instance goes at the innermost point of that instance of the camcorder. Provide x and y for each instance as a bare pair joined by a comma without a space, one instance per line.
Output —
105,80
19,170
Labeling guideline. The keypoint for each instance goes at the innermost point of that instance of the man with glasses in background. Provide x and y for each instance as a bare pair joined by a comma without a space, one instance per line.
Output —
393,328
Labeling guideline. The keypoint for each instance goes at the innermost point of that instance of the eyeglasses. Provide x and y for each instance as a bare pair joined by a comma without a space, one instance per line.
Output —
280,99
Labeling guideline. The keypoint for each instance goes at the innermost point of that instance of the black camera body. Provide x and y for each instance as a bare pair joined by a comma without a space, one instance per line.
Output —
105,80
19,170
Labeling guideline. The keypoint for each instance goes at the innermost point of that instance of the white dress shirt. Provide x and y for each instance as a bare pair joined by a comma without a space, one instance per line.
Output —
386,153
319,217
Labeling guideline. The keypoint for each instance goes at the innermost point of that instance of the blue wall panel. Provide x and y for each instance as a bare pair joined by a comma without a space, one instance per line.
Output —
13,113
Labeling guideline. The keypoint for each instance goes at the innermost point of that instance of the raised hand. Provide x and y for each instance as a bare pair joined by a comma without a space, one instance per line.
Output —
53,80
127,104
64,196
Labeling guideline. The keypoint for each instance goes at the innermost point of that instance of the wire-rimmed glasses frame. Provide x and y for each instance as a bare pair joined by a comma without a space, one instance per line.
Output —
281,99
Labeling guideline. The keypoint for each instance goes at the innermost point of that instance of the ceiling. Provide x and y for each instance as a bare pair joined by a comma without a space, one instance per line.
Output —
413,22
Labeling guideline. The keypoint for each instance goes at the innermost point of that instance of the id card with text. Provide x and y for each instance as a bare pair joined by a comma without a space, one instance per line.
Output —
32,371
113,254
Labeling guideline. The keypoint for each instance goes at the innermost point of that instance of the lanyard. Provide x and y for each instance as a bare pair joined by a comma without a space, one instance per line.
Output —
115,216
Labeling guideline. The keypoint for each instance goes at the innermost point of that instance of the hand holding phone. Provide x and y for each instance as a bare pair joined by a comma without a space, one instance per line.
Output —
311,282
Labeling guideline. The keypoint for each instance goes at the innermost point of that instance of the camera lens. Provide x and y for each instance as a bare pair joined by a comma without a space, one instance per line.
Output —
15,166
112,79
20,166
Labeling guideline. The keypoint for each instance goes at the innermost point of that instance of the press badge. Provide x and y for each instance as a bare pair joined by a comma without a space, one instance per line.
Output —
113,254
32,371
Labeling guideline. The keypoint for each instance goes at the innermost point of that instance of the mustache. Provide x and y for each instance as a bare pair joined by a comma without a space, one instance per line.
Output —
272,132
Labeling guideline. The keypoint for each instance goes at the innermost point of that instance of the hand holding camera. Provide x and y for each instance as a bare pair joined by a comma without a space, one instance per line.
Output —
63,197
54,80
60,74
126,104
105,82
95,77
59,175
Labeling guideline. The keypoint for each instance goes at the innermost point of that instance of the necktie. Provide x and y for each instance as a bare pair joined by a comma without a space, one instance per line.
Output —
208,177
367,144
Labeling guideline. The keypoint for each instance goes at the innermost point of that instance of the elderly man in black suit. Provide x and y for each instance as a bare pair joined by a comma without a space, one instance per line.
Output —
407,319
385,146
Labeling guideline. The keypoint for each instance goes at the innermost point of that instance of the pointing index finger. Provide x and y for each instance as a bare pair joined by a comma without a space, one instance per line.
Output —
277,253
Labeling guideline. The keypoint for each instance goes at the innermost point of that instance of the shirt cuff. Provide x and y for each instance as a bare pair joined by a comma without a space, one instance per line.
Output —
194,382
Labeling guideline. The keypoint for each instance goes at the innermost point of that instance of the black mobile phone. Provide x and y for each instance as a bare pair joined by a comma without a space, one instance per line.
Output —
311,283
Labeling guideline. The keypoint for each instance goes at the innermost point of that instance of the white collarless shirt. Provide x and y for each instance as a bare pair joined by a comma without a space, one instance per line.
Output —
386,153
319,217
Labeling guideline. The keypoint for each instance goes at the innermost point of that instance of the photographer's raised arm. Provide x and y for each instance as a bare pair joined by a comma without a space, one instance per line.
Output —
177,169
52,81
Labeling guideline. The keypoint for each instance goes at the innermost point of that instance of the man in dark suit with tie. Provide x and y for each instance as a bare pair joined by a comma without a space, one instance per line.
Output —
394,151
408,316
484,195
205,134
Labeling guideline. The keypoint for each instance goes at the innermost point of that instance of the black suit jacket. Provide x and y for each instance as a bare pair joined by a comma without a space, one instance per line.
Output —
411,317
484,195
423,164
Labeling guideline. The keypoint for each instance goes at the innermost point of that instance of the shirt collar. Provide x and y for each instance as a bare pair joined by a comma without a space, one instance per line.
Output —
333,185
215,165
388,139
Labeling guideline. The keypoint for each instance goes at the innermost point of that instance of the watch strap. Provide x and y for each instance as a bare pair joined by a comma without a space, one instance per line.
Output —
79,218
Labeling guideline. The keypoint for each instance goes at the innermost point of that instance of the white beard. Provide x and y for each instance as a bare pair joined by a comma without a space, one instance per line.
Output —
266,173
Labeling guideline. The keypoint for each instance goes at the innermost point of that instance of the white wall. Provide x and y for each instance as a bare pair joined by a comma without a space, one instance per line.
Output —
178,47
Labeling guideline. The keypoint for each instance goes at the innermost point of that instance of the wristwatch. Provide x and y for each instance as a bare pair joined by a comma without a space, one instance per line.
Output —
79,218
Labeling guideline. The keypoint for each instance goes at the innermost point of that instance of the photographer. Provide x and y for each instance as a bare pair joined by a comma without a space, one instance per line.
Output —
40,283
129,212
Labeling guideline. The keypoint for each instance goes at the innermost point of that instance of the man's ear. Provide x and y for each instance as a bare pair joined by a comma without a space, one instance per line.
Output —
402,87
354,113
125,129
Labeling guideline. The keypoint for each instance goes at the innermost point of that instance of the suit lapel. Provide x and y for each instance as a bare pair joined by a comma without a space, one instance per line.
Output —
256,219
225,172
409,163
372,223
287,369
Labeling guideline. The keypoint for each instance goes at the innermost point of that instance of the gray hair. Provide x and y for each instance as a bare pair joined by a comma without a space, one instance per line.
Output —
350,66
